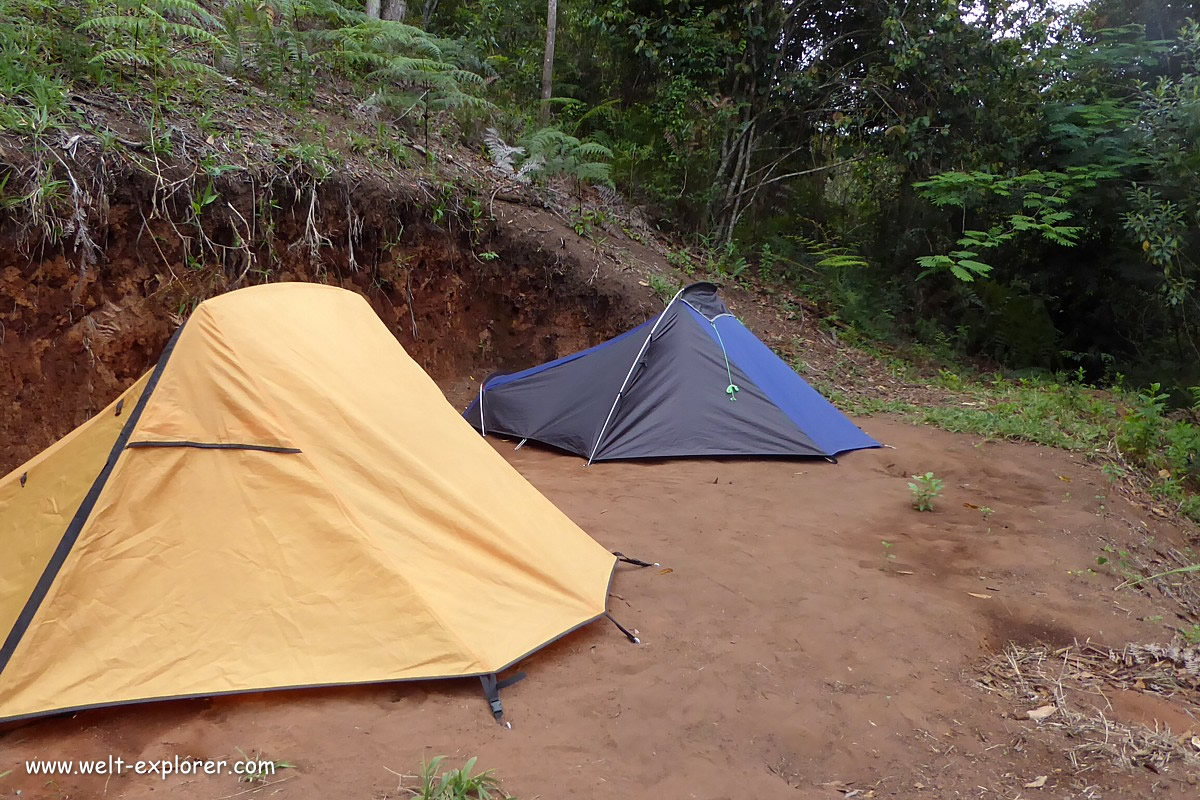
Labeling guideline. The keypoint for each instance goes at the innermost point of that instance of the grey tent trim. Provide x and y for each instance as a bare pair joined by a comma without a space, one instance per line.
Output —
706,316
628,375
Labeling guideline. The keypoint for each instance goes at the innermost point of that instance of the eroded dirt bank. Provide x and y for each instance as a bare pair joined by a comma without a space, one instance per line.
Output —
462,296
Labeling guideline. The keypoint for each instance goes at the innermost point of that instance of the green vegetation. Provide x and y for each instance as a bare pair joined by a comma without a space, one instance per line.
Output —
888,555
456,784
258,769
1135,433
925,489
1064,414
1136,581
665,289
1014,181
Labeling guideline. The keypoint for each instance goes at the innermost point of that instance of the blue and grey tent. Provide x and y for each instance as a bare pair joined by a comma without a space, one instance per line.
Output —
693,381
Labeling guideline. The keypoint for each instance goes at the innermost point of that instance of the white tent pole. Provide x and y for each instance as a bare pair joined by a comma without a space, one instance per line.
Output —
629,375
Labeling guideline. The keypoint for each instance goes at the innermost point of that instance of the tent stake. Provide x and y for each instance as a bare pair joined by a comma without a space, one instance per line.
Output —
520,445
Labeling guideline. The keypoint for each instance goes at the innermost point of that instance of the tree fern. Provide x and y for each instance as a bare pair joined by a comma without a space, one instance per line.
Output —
408,66
170,37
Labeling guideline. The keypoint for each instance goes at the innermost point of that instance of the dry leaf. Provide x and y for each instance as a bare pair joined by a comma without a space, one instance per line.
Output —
665,571
1158,511
1196,742
904,572
971,506
1164,473
839,786
980,596
1064,478
1037,782
1041,713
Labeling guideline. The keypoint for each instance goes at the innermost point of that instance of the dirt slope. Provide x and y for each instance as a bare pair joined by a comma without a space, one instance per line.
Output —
783,652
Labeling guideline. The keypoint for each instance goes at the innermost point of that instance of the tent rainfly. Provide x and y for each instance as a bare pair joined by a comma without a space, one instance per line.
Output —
287,500
693,381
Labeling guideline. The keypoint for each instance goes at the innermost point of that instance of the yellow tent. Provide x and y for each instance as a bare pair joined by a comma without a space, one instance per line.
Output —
286,500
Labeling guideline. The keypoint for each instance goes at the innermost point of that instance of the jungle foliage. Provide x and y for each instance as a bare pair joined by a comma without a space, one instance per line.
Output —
1017,180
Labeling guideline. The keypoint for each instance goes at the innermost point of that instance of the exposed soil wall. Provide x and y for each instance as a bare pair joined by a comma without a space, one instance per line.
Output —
74,333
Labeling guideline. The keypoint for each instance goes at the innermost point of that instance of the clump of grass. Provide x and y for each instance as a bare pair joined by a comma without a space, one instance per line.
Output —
1141,435
263,770
1044,412
925,489
457,784
664,288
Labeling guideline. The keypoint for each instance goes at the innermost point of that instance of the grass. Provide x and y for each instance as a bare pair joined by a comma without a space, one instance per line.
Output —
266,769
1135,433
1066,416
457,784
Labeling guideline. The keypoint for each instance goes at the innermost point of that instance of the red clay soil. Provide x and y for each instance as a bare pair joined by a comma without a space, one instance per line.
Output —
784,655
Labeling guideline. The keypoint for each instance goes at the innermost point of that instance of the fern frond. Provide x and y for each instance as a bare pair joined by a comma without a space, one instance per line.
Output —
593,150
530,168
120,55
453,100
188,9
594,172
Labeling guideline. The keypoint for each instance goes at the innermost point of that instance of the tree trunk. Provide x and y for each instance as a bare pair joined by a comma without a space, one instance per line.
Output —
395,10
373,9
548,58
427,13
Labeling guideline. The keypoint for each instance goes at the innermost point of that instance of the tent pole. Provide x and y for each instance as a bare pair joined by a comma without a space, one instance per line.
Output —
520,444
482,426
629,375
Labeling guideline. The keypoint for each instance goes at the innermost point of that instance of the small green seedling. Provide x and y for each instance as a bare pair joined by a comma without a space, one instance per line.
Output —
925,489
888,555
1113,472
987,512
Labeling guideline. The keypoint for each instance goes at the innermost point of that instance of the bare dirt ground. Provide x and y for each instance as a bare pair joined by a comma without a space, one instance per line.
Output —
784,654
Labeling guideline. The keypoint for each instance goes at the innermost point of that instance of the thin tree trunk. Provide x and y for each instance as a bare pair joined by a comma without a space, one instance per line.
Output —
395,10
548,58
373,9
427,13
733,203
